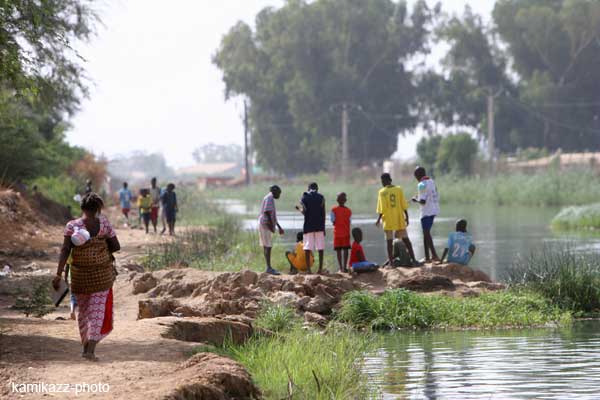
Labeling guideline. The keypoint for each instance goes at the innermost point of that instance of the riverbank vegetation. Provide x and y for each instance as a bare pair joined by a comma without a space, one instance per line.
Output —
403,309
567,279
302,363
550,188
578,218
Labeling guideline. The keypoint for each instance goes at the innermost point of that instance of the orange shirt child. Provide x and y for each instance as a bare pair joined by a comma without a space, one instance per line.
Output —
341,219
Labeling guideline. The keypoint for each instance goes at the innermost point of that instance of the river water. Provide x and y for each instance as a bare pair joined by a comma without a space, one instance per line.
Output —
499,364
502,364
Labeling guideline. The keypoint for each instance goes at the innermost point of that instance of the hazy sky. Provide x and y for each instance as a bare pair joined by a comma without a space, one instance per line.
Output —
154,87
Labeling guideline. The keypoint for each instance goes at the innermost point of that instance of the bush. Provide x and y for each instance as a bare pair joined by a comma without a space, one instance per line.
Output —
61,189
403,309
567,279
578,217
427,150
37,303
276,317
456,154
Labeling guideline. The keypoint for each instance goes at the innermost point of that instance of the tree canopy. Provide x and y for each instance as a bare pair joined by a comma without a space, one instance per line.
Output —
305,60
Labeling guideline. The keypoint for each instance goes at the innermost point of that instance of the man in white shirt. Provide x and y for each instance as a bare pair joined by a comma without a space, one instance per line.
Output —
429,200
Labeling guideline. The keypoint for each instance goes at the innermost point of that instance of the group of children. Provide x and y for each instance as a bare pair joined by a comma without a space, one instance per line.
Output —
392,210
149,202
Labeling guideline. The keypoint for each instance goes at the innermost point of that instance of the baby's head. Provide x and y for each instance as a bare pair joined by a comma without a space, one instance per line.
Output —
299,237
357,235
461,225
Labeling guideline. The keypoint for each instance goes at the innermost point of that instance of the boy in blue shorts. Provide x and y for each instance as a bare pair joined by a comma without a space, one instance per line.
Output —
429,200
460,248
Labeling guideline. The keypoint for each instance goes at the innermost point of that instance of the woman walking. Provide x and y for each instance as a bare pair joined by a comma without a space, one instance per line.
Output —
92,271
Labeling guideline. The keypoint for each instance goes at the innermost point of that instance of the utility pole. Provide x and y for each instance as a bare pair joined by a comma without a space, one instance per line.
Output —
246,146
345,153
491,132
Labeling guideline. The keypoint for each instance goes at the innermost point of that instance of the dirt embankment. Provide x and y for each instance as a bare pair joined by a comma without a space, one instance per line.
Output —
161,316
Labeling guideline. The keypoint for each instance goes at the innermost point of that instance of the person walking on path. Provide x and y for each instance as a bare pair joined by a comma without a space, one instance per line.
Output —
155,194
267,222
429,202
393,210
125,197
169,202
313,209
92,271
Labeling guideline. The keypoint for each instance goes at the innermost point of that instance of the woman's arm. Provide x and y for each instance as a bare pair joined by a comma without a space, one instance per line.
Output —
62,260
113,244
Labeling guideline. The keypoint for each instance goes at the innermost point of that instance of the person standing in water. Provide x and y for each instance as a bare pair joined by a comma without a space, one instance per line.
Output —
267,223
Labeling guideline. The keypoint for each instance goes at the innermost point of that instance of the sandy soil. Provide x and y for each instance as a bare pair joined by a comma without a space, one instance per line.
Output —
133,358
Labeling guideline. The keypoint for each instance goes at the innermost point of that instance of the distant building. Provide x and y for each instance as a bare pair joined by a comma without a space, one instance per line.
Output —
208,175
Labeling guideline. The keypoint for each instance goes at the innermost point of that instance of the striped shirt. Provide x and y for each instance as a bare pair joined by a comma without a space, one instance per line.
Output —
268,205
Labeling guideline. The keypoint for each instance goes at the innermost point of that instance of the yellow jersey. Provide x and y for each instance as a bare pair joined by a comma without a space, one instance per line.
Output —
392,204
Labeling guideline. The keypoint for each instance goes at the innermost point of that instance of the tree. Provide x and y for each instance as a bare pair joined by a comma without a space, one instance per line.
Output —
427,150
216,153
456,154
305,60
555,49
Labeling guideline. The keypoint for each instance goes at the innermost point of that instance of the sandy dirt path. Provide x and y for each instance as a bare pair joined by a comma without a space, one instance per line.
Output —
133,358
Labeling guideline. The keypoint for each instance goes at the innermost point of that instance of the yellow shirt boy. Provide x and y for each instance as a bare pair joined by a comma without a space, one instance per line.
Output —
392,205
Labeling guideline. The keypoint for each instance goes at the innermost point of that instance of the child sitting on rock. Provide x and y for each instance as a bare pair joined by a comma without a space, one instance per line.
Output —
460,248
297,258
358,262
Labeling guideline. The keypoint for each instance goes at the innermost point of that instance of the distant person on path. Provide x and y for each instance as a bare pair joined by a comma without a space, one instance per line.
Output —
393,210
125,197
155,194
358,262
88,187
267,222
169,202
144,204
313,209
460,248
163,217
92,273
429,201
341,220
297,258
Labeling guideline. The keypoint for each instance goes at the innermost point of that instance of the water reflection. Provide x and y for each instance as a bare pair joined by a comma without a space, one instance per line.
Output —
535,363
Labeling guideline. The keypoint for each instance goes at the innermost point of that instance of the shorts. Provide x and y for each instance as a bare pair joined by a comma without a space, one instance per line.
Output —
314,241
146,217
398,234
170,216
125,211
265,236
341,242
154,214
427,223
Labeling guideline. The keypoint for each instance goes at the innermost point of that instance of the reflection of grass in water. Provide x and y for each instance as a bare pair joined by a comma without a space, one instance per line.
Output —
568,279
402,309
584,218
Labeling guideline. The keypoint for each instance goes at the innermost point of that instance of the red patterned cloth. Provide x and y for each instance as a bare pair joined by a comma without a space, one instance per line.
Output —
95,315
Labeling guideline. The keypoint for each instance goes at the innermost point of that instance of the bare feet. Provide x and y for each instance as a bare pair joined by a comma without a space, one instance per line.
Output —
89,356
73,316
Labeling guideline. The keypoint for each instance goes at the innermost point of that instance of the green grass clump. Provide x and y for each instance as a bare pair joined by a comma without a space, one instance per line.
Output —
276,317
566,278
578,218
61,189
403,309
307,364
